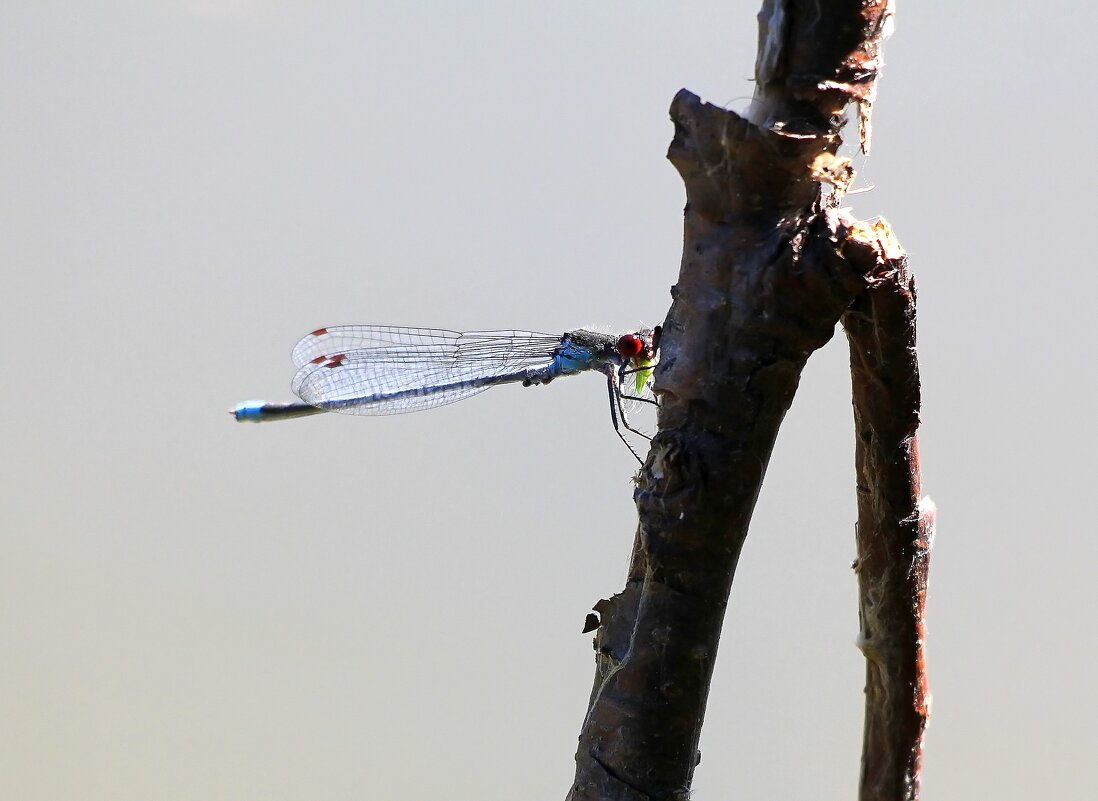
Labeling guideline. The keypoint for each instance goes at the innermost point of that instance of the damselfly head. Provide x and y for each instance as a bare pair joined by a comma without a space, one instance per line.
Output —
639,346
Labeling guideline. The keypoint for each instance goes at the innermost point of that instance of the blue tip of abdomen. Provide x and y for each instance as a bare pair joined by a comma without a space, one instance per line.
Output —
249,411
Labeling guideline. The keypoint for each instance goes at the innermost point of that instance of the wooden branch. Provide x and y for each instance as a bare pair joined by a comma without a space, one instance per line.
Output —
895,528
759,291
766,274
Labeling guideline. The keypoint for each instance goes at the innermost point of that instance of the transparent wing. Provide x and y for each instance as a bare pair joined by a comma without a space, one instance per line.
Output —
363,369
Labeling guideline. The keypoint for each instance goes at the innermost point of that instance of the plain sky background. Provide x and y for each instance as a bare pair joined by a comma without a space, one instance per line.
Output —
380,608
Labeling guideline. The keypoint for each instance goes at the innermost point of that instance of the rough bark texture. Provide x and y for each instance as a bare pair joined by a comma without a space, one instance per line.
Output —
767,271
895,530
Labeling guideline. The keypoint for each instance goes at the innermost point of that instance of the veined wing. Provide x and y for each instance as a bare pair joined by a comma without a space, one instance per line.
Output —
389,369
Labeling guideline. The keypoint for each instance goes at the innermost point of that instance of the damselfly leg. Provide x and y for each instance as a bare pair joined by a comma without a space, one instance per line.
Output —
617,410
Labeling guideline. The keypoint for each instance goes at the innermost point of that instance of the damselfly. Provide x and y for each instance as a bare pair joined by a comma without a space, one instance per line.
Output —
366,369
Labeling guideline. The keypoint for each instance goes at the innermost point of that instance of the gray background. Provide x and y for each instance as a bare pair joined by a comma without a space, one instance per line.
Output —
346,608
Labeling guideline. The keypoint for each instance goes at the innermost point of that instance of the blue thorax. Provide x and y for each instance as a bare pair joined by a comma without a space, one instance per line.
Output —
575,357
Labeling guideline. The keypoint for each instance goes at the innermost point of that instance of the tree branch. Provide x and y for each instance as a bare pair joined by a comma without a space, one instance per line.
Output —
895,530
767,270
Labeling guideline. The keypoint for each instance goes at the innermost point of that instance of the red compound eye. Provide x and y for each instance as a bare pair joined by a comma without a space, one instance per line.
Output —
630,345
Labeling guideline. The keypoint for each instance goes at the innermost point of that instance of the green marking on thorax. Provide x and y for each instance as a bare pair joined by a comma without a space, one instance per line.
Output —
643,374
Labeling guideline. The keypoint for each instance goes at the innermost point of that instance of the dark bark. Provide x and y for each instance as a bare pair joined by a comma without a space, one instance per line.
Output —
895,531
768,268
